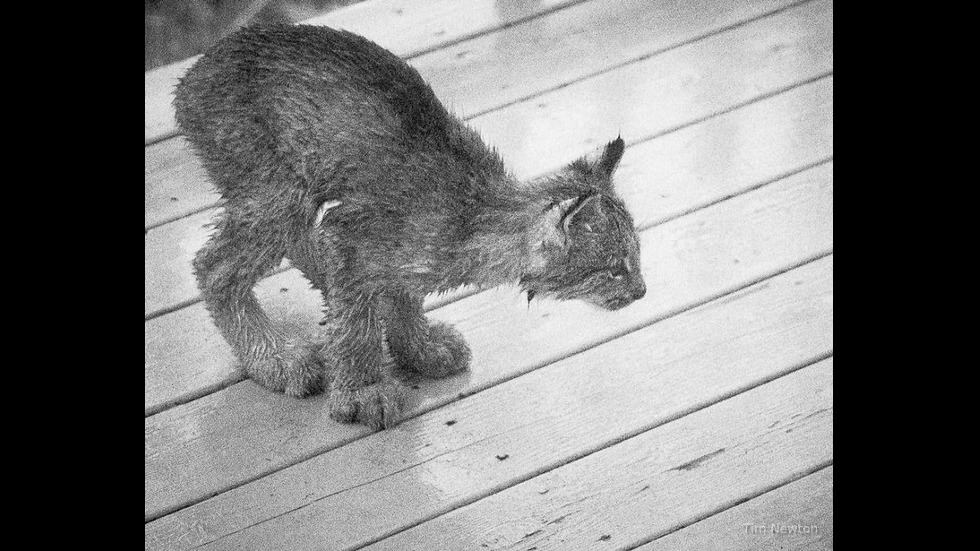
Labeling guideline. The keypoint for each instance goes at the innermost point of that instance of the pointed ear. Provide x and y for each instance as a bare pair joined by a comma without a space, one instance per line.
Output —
605,159
554,224
586,209
550,228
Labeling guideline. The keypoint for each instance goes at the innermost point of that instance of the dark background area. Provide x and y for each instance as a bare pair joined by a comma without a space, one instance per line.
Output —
178,29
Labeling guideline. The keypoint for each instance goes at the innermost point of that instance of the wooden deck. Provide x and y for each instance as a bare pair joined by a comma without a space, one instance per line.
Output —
700,417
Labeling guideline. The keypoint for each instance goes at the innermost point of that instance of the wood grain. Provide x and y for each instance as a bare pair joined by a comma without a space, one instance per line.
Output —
185,357
540,420
503,67
630,492
406,28
158,97
168,279
697,418
804,508
659,179
667,91
217,442
174,183
688,84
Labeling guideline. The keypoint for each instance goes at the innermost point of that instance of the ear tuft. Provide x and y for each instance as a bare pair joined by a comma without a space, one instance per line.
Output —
611,156
604,160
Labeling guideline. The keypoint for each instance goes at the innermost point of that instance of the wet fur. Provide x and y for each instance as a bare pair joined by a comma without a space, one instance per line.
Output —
332,152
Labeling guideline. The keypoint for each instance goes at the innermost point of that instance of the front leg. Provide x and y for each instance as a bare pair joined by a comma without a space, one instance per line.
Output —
432,349
363,388
227,268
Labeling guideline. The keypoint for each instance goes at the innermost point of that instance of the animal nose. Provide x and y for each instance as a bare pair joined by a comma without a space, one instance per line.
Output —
639,290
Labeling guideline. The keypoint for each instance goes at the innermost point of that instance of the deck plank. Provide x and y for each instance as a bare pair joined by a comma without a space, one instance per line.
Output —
806,504
540,420
185,357
511,63
662,178
174,183
404,27
240,433
726,69
630,492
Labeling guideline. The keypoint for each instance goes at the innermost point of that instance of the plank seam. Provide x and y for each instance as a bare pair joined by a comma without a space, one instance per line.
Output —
211,389
612,442
189,302
553,88
217,204
418,53
164,136
491,30
411,415
372,481
704,301
744,499
192,301
754,187
693,122
648,55
236,377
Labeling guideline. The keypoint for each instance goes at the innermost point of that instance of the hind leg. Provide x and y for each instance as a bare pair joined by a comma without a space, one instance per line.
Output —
227,268
434,349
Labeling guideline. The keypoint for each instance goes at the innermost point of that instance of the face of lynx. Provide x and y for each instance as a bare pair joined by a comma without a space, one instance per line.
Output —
600,262
593,253
604,256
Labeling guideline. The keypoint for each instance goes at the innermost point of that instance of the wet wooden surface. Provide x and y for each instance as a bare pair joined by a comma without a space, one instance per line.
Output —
405,27
704,409
691,82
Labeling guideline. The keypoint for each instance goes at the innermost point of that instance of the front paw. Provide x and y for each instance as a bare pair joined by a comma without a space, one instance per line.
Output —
443,354
295,370
377,405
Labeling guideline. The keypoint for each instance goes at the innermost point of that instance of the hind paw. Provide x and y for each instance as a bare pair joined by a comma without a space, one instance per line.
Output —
296,370
444,353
